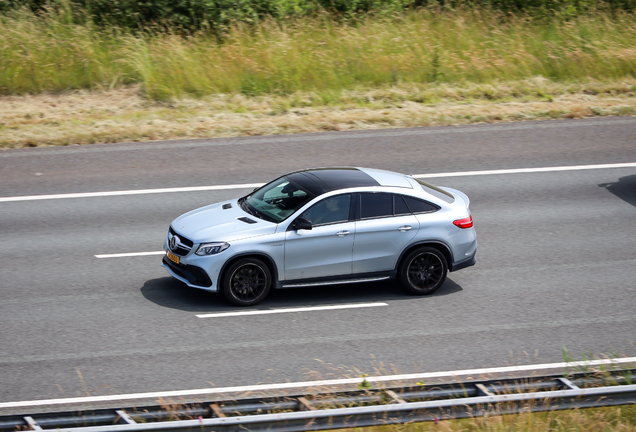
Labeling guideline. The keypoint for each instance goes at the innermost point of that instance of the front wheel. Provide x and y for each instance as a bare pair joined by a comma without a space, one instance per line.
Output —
246,282
423,271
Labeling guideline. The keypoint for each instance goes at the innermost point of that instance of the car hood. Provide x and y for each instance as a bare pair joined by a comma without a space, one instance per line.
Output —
214,223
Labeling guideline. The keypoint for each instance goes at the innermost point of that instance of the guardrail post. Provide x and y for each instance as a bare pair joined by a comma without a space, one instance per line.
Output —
32,424
568,383
481,389
393,395
125,417
305,404
216,409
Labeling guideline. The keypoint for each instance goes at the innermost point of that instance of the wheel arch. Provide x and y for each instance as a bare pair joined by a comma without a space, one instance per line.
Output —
440,246
268,260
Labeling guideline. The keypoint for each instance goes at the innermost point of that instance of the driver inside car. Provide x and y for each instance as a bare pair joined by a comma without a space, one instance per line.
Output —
330,210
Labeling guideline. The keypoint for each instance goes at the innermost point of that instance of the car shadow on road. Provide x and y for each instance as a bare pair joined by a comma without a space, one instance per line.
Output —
170,293
624,188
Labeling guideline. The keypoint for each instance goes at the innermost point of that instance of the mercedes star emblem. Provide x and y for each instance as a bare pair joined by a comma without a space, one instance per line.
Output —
173,242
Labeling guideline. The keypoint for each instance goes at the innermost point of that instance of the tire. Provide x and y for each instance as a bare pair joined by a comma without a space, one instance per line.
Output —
246,282
423,271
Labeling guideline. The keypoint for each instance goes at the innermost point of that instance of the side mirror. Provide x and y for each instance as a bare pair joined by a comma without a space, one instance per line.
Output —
301,223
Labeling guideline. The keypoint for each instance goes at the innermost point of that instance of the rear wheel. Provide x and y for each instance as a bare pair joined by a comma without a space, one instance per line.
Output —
246,282
423,271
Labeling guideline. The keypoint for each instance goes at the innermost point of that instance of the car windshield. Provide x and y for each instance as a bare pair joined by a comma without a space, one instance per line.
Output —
275,201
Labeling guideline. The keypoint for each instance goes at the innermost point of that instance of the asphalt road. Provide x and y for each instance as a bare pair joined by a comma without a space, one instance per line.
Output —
556,265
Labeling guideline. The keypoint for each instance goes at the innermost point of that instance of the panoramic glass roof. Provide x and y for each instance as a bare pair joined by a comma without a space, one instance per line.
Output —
323,180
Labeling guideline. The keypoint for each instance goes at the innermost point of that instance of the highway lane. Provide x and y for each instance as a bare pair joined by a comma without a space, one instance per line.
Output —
556,267
111,167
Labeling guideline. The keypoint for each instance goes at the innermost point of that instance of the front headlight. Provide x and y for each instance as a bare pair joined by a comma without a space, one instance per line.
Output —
211,248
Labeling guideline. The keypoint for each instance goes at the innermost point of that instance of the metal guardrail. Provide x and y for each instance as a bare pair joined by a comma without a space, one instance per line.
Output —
334,410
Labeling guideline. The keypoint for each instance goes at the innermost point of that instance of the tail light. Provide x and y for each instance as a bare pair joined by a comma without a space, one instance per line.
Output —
467,222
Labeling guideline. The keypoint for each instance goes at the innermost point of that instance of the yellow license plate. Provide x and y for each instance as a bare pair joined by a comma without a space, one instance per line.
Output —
172,257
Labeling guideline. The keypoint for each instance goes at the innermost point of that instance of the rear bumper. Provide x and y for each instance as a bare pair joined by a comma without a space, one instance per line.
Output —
470,261
190,275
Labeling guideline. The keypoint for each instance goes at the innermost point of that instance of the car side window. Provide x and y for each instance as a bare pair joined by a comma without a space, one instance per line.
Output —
420,206
330,210
400,207
374,205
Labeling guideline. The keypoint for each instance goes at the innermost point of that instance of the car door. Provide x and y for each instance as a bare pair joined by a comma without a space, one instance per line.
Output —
384,227
327,248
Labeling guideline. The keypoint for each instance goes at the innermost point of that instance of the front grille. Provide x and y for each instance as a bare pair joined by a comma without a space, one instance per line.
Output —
184,246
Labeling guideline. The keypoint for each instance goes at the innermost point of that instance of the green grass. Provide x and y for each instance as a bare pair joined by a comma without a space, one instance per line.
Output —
613,419
51,53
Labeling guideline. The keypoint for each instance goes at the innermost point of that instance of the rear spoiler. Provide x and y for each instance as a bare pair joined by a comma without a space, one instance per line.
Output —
457,194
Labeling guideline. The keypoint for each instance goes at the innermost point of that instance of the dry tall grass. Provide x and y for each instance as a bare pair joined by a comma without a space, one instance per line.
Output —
123,115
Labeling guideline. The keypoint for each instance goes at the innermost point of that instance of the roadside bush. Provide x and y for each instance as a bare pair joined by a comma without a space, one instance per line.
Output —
215,14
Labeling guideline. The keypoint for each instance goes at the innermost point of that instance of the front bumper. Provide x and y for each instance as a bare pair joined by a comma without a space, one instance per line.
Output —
192,276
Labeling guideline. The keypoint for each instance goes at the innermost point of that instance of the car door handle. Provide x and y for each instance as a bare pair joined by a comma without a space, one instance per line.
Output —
342,233
405,228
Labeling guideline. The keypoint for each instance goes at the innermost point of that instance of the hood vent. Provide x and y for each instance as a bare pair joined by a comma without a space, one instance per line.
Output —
227,206
247,220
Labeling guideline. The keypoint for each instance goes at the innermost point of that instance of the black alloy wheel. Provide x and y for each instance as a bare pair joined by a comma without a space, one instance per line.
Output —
423,271
247,282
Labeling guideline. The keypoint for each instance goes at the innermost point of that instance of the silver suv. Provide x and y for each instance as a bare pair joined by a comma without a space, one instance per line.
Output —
324,226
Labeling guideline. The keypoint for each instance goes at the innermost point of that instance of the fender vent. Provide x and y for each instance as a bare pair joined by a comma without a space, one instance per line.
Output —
247,220
227,206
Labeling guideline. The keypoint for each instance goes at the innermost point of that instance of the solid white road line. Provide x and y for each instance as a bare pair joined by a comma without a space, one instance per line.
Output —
279,386
301,309
132,254
130,192
253,185
528,170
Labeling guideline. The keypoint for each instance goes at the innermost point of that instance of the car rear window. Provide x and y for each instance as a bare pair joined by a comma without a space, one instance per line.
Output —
436,192
420,206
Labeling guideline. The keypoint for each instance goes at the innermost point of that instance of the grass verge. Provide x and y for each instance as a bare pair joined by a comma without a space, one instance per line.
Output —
613,419
124,114
70,82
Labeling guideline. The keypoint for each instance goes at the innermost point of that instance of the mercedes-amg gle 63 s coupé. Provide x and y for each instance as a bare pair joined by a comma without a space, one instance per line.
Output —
324,226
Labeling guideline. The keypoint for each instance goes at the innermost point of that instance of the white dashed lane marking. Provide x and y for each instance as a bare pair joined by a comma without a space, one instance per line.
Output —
289,310
131,254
